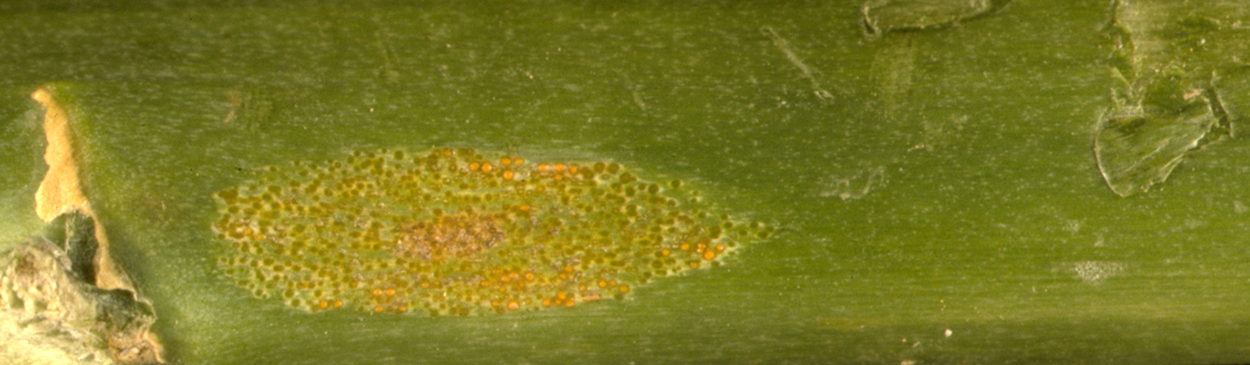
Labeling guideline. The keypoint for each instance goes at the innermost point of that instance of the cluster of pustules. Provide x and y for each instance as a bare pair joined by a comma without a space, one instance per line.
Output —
451,232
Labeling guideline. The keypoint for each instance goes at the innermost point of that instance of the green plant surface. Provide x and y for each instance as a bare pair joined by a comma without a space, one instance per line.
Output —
935,192
21,167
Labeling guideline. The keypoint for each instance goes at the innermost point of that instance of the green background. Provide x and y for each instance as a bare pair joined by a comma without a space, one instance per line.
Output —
974,143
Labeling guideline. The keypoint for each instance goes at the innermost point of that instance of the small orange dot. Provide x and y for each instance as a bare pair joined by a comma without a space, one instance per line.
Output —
568,303
377,309
494,303
603,284
581,287
559,166
518,161
624,288
664,252
546,302
708,255
474,166
505,161
486,167
720,247
507,175
694,265
562,295
529,276
513,305
390,292
525,207
338,304
485,283
572,169
685,247
323,304
402,309
377,292
542,167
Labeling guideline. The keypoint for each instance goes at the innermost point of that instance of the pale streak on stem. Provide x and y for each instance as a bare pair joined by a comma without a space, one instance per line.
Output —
798,62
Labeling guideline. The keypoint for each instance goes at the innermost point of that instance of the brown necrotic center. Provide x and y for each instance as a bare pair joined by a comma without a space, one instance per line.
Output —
461,236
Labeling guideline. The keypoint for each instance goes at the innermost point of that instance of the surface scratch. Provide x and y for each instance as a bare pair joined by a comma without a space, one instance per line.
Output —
798,62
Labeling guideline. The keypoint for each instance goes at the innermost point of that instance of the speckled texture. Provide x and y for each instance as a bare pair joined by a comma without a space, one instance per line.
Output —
454,232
